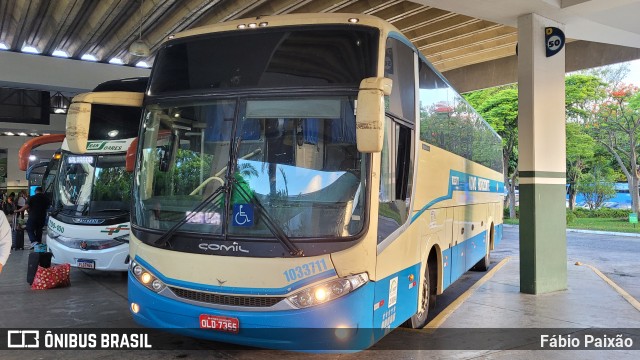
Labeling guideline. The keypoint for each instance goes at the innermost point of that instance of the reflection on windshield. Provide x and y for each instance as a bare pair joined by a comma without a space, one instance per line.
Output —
296,157
93,185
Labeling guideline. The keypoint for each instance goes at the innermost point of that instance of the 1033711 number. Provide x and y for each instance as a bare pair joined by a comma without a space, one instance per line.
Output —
305,270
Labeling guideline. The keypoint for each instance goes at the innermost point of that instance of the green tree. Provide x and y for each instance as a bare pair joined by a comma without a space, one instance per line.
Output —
582,94
597,186
499,107
580,151
617,127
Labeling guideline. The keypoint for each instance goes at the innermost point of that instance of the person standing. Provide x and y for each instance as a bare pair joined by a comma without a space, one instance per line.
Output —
5,240
37,206
22,201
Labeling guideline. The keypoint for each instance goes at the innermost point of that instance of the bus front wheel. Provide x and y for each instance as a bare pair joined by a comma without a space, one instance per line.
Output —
419,319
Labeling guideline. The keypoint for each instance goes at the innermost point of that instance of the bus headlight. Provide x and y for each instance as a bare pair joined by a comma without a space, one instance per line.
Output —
327,291
122,238
52,234
146,278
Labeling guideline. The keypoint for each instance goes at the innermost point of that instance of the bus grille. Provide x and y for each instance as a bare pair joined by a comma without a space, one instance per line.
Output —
249,301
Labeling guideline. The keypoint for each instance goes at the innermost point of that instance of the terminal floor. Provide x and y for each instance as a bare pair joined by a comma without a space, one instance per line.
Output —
97,299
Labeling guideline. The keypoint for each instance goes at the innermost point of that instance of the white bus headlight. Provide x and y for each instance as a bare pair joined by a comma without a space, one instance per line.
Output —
327,291
52,234
145,277
122,238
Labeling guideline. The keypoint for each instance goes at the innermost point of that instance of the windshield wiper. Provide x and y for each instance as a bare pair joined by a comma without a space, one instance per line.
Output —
109,210
272,225
163,240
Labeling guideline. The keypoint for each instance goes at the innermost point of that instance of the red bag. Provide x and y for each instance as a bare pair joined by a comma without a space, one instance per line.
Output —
52,277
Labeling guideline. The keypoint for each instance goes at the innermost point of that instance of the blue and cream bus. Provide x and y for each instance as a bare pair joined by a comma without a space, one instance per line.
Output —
311,175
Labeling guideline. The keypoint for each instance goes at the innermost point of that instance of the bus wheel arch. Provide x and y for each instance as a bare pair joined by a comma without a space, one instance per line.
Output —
428,289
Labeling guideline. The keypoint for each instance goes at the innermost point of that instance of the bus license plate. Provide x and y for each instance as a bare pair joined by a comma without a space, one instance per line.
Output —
86,264
219,323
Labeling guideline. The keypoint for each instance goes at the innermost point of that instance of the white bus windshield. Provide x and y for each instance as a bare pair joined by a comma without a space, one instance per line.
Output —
93,185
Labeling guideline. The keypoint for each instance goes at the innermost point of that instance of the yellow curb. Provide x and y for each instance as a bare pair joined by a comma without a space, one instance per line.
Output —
444,314
630,299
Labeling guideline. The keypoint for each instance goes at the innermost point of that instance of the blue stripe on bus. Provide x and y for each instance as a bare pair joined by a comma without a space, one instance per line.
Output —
460,258
407,284
238,290
463,184
309,329
497,236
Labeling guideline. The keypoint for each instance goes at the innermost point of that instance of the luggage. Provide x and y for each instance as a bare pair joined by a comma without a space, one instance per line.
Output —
36,259
17,234
18,239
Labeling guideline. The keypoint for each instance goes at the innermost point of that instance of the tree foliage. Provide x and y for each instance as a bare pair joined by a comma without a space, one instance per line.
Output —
616,126
580,151
597,186
499,107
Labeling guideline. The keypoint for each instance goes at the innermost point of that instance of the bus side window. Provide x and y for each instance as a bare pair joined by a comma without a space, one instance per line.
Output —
396,164
396,175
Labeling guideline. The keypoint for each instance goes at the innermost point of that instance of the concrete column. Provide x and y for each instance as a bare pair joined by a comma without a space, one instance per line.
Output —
542,164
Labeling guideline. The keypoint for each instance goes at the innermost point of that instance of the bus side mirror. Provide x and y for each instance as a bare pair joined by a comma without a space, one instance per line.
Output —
77,128
370,114
168,152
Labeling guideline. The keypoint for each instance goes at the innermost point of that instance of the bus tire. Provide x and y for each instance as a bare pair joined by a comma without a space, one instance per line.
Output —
419,319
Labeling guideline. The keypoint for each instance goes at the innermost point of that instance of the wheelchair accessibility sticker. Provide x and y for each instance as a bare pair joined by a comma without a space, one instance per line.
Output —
242,215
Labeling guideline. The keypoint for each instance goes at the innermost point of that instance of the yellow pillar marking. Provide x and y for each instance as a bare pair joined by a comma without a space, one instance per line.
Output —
630,299
437,321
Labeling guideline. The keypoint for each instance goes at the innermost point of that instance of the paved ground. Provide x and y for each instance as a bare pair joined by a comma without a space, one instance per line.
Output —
98,299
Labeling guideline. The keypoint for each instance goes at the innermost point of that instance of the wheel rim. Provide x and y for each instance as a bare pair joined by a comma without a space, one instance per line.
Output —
425,297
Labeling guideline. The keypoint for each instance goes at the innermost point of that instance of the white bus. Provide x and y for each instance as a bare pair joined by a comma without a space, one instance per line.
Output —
89,223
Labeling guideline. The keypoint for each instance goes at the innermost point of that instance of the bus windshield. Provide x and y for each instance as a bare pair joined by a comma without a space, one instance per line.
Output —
295,164
93,185
315,56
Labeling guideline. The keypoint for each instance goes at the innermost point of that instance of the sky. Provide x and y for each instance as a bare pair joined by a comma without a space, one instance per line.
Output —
634,75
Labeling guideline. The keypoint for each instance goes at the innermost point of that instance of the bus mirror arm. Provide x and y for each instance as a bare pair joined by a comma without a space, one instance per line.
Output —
370,112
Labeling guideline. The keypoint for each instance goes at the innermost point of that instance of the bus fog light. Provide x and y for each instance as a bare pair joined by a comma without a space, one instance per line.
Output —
327,291
135,308
343,332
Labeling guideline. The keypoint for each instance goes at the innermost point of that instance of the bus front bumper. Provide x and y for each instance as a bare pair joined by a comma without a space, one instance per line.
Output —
111,259
342,325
